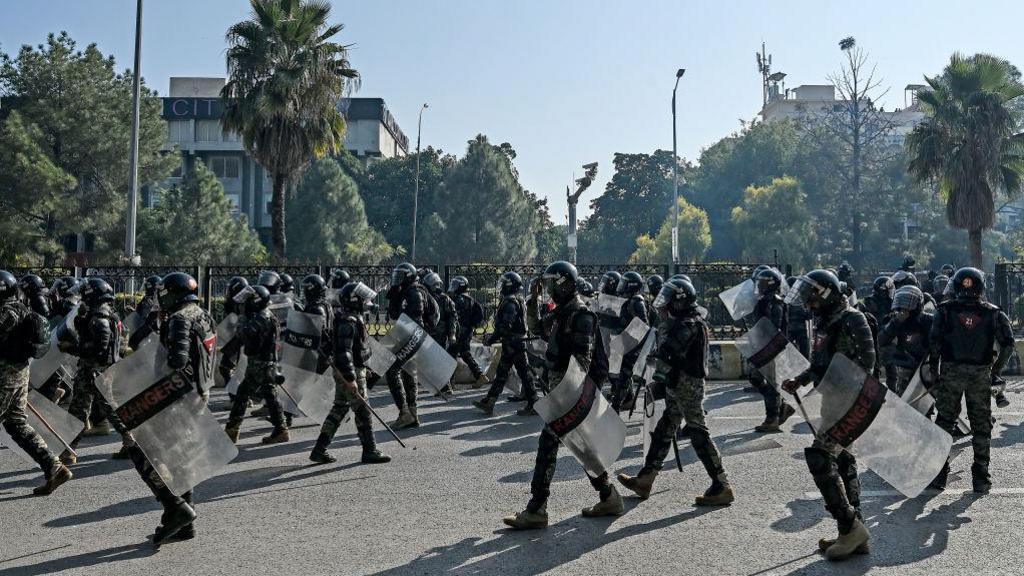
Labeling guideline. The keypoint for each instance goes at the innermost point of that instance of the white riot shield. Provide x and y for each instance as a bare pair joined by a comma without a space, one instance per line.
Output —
537,348
168,419
579,415
381,359
280,305
238,375
644,360
228,328
58,421
311,392
887,434
419,355
624,343
484,355
41,369
740,300
918,396
608,305
771,353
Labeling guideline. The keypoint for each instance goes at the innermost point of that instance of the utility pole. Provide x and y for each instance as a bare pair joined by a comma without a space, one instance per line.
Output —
416,192
133,171
675,179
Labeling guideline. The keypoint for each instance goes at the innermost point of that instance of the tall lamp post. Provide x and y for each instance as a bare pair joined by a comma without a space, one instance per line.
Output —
675,180
416,191
133,171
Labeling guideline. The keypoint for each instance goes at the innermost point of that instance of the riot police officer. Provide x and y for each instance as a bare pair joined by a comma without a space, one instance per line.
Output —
940,288
839,329
447,328
35,294
510,330
260,333
350,354
470,315
682,365
903,340
405,296
64,296
148,312
797,325
635,307
15,353
231,351
771,306
909,264
654,284
964,335
572,336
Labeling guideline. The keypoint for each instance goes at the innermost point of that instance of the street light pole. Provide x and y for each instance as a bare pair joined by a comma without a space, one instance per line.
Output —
133,171
416,191
675,179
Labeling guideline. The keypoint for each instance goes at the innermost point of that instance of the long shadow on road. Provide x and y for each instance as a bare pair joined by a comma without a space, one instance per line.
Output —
86,560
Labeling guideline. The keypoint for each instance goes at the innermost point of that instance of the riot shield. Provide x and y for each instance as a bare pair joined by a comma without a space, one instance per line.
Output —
280,305
227,328
892,438
41,369
654,408
132,322
58,421
168,419
381,359
238,375
767,348
579,415
624,343
419,355
537,348
740,300
312,393
608,305
513,384
644,359
921,399
484,355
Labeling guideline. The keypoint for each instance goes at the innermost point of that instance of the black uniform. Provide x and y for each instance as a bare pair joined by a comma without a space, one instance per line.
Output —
260,333
772,307
98,347
468,313
510,329
904,345
149,312
622,387
447,328
231,351
878,311
408,300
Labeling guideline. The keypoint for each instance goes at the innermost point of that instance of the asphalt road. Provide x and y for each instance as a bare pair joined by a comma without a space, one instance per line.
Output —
437,508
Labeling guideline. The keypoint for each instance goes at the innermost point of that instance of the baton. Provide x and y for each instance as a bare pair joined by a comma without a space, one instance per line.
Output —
675,446
52,431
370,408
803,412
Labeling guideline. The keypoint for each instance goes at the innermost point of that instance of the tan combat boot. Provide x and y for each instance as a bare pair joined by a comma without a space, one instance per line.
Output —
717,495
527,520
405,419
610,506
101,429
481,381
68,458
825,543
278,436
232,431
486,404
641,484
848,543
58,476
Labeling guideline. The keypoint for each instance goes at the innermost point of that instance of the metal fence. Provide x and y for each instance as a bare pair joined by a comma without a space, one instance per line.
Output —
712,279
47,273
1008,292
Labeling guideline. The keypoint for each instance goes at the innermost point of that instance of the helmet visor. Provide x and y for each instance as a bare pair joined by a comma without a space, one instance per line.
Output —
907,300
666,295
364,292
802,291
244,295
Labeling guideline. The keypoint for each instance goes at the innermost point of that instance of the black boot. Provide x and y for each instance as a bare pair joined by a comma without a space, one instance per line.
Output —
371,455
319,454
980,479
177,515
939,483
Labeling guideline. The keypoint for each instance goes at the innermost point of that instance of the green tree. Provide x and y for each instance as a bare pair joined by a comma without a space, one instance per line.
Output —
285,79
968,142
694,238
758,220
75,109
193,224
328,221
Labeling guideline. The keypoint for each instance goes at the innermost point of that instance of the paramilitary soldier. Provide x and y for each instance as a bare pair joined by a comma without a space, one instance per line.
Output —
903,341
838,329
17,347
631,288
682,365
405,296
447,328
572,336
964,335
510,330
470,315
260,333
771,306
149,313
231,351
350,354
190,337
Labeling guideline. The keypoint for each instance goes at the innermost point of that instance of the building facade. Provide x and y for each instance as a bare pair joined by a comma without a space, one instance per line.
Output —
193,113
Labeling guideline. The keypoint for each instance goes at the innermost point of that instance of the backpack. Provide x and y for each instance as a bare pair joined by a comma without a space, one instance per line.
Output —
30,338
476,314
431,311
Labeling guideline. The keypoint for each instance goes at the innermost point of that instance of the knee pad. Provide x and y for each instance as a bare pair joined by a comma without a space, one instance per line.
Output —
819,461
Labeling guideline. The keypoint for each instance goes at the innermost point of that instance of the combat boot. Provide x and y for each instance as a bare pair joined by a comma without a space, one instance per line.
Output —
177,518
371,455
481,381
768,426
848,543
232,430
68,458
278,436
527,520
825,543
320,454
527,410
445,392
415,418
1001,400
641,484
486,404
57,476
101,429
610,506
719,494
404,420
980,479
785,412
939,483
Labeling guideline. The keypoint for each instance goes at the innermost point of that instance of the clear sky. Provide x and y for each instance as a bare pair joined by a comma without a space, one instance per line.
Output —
564,81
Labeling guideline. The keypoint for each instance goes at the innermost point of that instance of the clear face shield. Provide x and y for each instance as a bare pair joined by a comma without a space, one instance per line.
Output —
244,295
665,296
804,292
364,293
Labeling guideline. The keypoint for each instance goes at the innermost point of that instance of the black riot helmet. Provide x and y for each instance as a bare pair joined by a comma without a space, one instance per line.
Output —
584,288
287,283
654,283
32,286
631,284
434,283
819,291
235,285
511,283
677,296
939,285
681,277
968,284
8,286
339,278
753,275
66,286
403,275
609,283
909,263
270,280
151,285
258,299
560,281
904,278
96,291
177,289
314,289
458,285
769,281
845,272
356,297
947,270
883,287
908,301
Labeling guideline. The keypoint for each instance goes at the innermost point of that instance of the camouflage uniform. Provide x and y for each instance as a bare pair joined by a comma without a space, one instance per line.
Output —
260,333
510,329
13,404
98,348
408,300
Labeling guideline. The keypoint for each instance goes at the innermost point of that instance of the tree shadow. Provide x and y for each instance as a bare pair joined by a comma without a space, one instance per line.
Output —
86,560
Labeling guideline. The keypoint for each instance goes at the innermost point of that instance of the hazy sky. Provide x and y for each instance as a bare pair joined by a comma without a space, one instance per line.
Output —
565,82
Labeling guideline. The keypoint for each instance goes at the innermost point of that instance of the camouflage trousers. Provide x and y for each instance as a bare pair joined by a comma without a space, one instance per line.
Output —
87,404
402,387
958,381
258,381
772,398
684,402
834,470
544,467
343,402
513,354
13,404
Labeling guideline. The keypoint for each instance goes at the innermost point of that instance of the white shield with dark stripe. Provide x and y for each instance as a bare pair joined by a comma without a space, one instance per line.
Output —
311,392
578,414
419,355
381,359
41,369
168,419
624,343
57,422
740,300
280,305
771,353
888,435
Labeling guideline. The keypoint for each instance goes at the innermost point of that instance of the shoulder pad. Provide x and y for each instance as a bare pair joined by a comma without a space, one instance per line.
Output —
988,305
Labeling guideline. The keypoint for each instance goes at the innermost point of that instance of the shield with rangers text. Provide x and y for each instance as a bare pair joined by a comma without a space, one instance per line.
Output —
58,422
167,417
771,353
418,354
311,391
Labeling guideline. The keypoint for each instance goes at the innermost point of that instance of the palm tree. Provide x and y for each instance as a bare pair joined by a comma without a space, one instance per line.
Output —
285,80
969,142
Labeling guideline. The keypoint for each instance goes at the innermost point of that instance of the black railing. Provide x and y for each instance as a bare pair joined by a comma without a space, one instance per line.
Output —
47,273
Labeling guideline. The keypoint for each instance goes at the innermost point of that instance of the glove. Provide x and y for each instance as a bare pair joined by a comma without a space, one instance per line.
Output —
791,385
